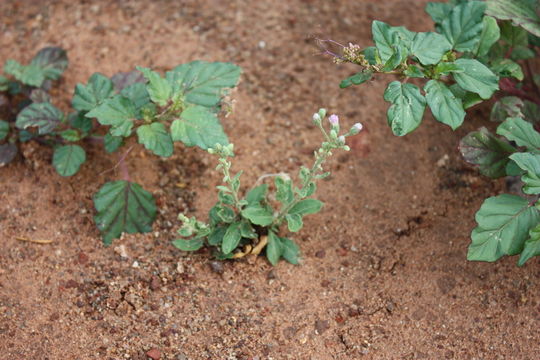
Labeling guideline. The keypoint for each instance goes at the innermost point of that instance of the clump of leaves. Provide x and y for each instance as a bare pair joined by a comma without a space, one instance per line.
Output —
157,111
476,49
247,225
25,103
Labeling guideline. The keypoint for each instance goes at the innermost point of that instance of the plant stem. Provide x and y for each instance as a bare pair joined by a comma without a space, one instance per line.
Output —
123,165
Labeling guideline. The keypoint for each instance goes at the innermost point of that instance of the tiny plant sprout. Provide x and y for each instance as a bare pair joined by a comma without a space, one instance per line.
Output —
248,223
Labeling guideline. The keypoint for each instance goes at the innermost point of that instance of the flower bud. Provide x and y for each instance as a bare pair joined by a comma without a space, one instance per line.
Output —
334,120
356,128
341,139
316,119
322,113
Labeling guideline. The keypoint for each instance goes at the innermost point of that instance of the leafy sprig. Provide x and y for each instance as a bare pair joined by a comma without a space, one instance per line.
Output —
240,226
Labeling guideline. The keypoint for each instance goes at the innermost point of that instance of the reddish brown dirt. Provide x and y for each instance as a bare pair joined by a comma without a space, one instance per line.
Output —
384,274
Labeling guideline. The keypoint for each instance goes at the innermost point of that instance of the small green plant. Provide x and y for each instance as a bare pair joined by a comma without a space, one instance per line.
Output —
239,226
477,48
24,93
157,111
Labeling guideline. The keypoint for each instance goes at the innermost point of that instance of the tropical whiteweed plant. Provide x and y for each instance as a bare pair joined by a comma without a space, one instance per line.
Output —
476,49
246,225
23,90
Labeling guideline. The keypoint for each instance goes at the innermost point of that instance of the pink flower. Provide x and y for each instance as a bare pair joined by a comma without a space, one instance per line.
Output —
334,119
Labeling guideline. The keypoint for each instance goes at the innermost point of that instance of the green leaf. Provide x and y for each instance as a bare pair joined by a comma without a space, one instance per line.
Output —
520,131
306,206
274,249
371,54
188,244
522,53
43,115
429,47
155,138
291,252
438,11
284,192
258,215
468,98
67,159
414,71
523,13
513,36
476,78
487,151
532,246
257,194
445,107
197,126
294,222
122,80
504,222
247,231
489,36
530,163
52,60
70,135
356,79
215,238
123,206
4,129
386,38
138,95
508,106
30,75
398,57
78,121
7,153
204,83
463,25
407,109
98,89
232,238
39,95
4,83
159,89
445,68
112,143
507,68
118,112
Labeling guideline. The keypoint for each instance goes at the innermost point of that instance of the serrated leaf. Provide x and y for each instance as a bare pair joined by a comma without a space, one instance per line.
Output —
294,222
231,238
407,109
118,112
291,252
89,96
123,206
490,154
274,249
7,153
155,138
507,68
122,80
531,247
70,135
476,78
356,79
31,75
67,159
445,107
197,126
79,121
468,98
520,131
112,143
159,89
490,35
257,194
39,95
52,60
188,244
138,95
306,206
508,106
463,25
43,115
429,47
387,38
4,129
530,163
523,13
504,222
204,83
258,215
284,191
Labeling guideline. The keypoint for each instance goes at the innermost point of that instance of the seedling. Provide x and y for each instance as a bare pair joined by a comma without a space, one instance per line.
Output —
241,226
